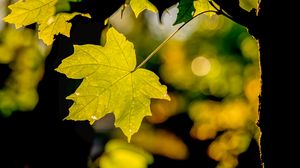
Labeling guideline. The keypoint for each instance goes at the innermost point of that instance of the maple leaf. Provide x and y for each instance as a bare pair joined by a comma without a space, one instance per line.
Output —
203,5
140,5
58,24
111,83
30,11
42,12
186,10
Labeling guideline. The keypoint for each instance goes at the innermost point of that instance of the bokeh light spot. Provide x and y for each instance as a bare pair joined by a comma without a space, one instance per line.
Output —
201,66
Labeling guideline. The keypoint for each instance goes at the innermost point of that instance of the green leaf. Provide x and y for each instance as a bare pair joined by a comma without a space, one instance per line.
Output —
186,10
203,5
139,6
30,11
111,83
58,24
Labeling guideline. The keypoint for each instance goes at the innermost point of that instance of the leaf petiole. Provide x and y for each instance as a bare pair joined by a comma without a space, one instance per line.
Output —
220,11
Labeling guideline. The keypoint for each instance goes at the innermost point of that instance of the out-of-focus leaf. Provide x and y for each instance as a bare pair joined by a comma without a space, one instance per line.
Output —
229,145
186,11
237,116
211,117
203,5
139,6
111,83
249,48
13,40
58,24
176,67
6,55
249,4
63,6
161,142
30,11
119,154
162,109
27,65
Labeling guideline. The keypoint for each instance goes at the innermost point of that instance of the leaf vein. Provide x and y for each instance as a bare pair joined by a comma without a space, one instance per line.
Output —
119,45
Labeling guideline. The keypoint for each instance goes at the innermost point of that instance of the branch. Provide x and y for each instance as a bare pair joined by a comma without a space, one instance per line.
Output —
220,11
237,14
169,37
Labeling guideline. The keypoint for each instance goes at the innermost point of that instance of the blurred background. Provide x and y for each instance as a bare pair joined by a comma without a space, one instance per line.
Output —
211,70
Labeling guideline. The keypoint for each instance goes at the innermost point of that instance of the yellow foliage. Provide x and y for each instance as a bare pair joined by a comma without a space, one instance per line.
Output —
175,69
211,117
26,61
227,146
238,116
119,154
204,67
42,12
140,5
203,5
162,109
111,83
161,142
252,90
30,11
58,24
249,4
12,40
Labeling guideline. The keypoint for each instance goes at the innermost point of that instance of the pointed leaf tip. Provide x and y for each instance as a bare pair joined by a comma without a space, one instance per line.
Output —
58,24
139,6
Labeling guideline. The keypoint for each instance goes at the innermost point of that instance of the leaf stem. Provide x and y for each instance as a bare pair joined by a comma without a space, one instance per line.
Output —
170,36
220,11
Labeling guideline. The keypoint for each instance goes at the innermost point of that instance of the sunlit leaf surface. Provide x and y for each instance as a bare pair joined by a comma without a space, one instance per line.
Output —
139,6
58,24
30,11
27,12
203,5
111,83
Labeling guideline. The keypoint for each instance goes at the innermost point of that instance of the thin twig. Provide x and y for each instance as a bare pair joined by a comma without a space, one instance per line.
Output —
220,11
169,37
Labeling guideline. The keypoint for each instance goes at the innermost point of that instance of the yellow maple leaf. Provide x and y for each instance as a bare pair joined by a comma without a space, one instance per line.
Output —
203,5
140,5
42,12
30,11
111,83
58,24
